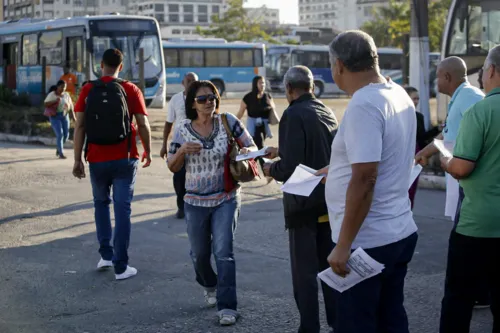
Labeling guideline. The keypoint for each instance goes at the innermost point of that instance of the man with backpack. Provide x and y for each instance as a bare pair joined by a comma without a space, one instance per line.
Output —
104,122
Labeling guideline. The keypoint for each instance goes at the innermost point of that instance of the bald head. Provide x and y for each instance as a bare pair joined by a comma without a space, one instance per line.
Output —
188,79
451,73
455,66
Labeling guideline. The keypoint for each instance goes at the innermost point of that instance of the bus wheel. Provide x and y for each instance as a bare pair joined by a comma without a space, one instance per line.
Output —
219,85
318,89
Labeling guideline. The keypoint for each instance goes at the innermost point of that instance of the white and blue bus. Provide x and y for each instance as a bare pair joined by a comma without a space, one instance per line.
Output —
316,57
79,43
230,66
472,29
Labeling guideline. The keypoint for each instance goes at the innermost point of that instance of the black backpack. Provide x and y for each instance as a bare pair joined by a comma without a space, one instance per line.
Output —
107,120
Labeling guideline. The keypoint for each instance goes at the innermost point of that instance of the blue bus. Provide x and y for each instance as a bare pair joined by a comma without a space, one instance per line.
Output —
280,58
230,66
79,43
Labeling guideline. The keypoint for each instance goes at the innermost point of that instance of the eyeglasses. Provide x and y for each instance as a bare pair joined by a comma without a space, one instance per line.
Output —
203,99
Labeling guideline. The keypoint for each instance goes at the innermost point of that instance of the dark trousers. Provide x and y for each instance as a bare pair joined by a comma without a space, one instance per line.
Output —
120,176
482,291
259,138
471,261
376,305
310,246
180,187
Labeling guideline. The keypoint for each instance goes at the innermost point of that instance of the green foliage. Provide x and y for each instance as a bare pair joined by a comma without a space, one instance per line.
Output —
234,25
8,97
392,23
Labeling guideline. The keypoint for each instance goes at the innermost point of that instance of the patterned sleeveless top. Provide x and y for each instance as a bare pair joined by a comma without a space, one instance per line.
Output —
205,170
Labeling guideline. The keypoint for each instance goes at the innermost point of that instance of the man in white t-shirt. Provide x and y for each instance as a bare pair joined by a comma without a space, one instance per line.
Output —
177,112
367,187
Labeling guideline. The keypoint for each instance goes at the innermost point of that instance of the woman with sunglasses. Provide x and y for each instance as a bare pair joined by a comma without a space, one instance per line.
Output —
201,144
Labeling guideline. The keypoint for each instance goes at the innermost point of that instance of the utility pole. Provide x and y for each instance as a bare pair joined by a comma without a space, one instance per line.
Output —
419,54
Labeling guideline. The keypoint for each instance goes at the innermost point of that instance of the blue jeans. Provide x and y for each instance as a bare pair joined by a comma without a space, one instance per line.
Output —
119,175
60,125
212,229
376,305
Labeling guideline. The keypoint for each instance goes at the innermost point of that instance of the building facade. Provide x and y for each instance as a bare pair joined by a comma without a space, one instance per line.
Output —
16,9
337,14
264,15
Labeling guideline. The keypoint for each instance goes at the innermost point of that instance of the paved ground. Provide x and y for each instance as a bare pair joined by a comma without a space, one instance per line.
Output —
48,253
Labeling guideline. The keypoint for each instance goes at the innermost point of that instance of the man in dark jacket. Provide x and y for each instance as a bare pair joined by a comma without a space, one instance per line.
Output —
306,133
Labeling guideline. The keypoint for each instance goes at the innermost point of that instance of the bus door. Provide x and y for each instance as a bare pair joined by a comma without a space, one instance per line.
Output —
74,51
10,60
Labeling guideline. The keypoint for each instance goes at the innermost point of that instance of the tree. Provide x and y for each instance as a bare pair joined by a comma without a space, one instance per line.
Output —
392,23
234,25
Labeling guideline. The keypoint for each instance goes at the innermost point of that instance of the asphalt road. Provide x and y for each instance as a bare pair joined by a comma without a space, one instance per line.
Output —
48,252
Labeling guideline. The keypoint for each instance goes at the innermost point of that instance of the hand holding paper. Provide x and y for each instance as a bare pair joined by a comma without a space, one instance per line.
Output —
361,267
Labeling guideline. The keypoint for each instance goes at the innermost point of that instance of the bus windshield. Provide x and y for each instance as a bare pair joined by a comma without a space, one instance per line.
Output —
136,35
277,61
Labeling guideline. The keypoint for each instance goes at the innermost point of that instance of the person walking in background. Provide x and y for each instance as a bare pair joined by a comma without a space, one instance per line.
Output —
424,137
367,187
476,238
59,100
258,104
200,145
306,132
104,120
71,82
175,114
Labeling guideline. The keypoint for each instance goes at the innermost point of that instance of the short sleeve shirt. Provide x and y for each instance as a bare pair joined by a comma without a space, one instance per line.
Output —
379,125
136,105
205,170
176,108
464,97
479,141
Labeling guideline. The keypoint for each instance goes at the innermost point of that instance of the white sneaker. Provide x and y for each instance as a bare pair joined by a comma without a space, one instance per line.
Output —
210,298
103,264
129,272
227,320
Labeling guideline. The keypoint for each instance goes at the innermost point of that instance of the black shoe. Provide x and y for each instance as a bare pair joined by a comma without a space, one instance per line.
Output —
57,153
62,157
180,214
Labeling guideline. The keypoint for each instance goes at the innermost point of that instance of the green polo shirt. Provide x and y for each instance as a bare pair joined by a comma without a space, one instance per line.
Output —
479,141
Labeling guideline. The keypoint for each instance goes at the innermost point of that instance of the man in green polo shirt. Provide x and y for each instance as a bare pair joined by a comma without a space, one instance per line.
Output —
474,249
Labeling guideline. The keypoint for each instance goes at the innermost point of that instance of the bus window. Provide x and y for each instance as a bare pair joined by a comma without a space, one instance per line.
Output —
241,58
467,30
51,47
192,58
171,57
311,59
30,50
257,56
388,61
217,58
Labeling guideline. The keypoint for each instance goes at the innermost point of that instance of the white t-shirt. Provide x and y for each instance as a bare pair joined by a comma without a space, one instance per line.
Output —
176,108
379,125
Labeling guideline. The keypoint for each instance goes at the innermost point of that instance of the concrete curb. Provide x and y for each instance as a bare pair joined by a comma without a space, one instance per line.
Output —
33,139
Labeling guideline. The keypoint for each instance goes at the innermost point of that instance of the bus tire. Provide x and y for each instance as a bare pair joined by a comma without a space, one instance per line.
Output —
219,85
318,89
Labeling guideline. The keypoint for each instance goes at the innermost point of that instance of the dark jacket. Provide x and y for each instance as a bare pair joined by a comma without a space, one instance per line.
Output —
424,137
306,133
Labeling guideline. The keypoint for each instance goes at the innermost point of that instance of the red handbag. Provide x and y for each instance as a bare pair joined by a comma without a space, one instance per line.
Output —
51,111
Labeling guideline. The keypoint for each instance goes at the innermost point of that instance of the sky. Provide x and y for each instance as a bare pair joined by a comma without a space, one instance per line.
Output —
289,9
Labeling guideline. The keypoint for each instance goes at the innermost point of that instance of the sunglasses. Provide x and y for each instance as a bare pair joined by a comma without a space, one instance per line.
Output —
203,99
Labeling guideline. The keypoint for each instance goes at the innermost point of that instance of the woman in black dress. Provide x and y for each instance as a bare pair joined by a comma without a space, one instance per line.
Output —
259,105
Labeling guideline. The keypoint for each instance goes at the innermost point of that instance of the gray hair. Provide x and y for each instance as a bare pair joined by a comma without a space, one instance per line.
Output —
299,77
356,49
493,58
